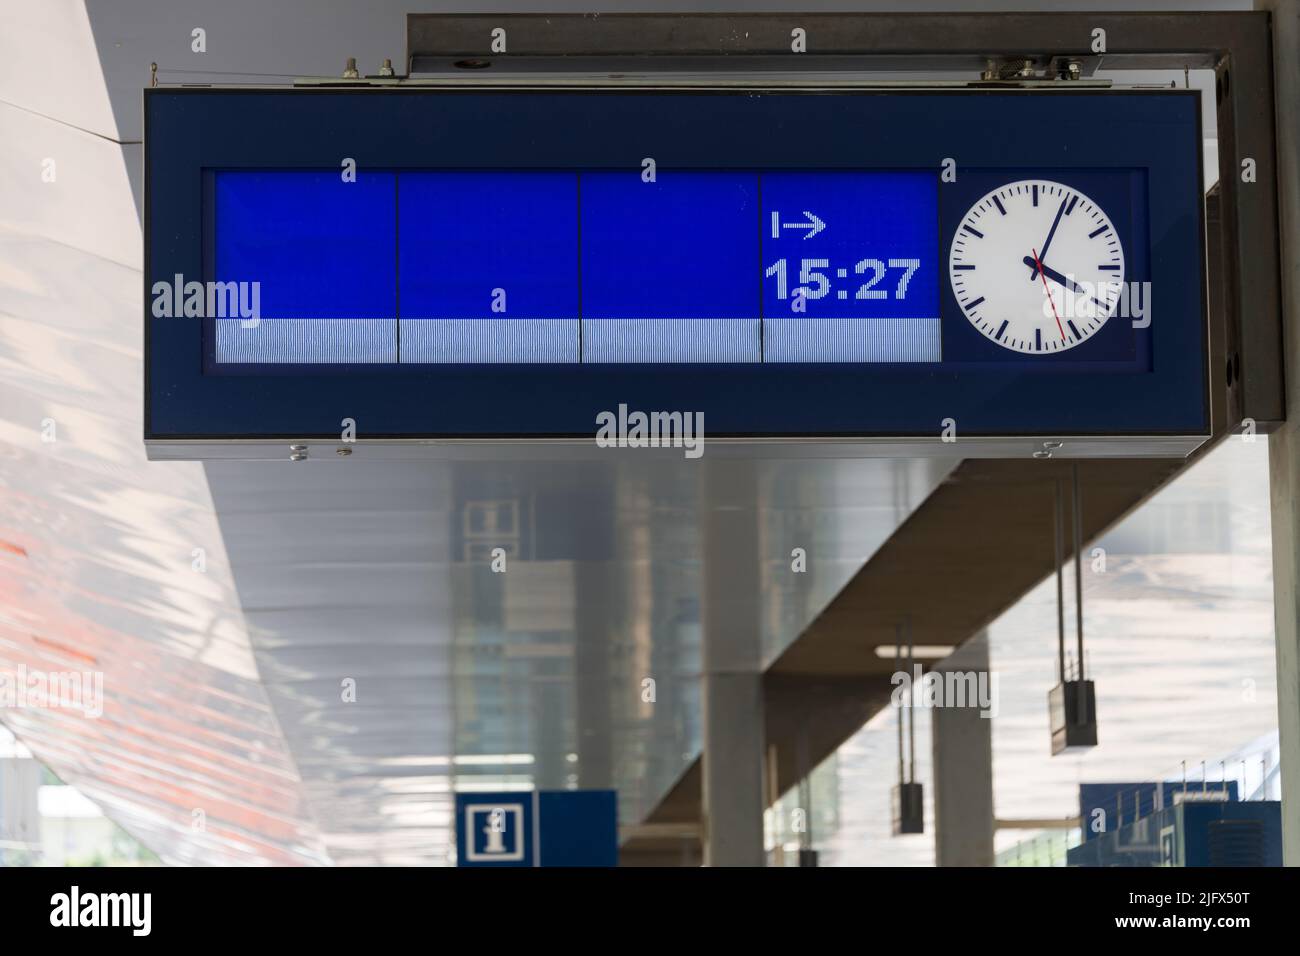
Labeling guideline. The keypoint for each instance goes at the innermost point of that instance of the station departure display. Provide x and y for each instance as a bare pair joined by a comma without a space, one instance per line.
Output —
792,264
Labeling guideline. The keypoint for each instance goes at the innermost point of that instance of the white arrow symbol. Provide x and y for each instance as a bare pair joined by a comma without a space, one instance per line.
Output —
813,225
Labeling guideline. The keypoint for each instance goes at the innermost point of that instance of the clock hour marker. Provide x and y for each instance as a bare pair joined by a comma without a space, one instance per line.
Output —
1035,194
1097,232
1002,328
973,231
971,305
1073,328
1070,208
1001,208
1038,339
962,268
1109,268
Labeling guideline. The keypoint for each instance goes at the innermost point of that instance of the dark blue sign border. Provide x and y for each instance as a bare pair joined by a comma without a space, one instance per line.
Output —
1050,134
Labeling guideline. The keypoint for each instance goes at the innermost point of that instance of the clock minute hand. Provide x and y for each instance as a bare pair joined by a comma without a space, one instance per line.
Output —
1033,271
1053,274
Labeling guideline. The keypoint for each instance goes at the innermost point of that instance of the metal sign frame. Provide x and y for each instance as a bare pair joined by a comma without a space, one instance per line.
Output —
1008,50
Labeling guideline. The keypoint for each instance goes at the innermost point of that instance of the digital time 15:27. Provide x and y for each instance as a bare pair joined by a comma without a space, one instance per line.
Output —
880,279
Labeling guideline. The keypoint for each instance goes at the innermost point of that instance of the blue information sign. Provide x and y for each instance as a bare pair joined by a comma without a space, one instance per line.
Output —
538,828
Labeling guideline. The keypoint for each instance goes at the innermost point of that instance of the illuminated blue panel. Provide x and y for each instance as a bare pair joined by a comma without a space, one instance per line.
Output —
850,267
669,268
319,248
489,266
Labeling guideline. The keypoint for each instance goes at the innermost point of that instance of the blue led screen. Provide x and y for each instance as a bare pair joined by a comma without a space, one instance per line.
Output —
418,267
310,242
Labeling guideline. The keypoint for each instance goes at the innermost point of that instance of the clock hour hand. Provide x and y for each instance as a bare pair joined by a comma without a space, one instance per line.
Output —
1033,270
1053,274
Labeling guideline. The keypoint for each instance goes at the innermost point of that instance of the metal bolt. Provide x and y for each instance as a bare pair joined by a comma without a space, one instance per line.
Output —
298,456
1042,455
1073,69
1053,444
387,68
343,452
350,71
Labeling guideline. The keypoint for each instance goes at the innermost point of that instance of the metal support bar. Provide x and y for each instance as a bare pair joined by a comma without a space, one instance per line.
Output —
1059,556
1132,39
1248,380
911,710
898,666
1284,446
1077,493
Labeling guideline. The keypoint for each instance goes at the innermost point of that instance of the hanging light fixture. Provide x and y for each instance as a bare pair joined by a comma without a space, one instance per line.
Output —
1072,703
908,795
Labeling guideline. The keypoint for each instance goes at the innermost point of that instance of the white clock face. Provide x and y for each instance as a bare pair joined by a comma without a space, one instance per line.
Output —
1036,266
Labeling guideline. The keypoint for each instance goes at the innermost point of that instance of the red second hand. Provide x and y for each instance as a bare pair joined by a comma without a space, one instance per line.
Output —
1049,293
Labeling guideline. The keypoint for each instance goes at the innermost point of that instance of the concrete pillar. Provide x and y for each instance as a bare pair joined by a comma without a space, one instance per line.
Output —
1284,444
963,763
594,717
732,693
733,769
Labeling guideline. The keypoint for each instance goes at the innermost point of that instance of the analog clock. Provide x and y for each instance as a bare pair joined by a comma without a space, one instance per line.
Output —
1036,266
